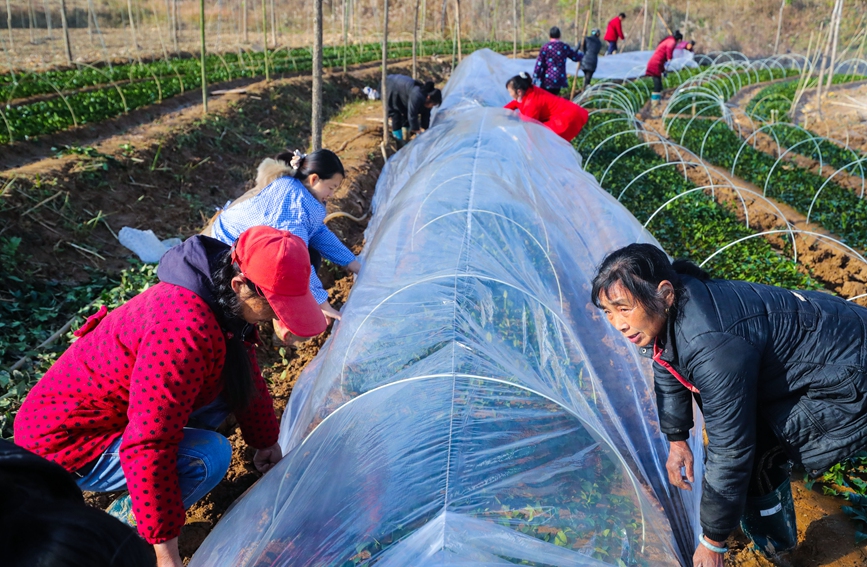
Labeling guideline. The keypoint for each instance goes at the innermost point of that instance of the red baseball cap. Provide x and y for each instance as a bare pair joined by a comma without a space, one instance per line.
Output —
278,263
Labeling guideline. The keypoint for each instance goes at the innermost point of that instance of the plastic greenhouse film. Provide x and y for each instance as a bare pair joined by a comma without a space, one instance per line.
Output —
472,407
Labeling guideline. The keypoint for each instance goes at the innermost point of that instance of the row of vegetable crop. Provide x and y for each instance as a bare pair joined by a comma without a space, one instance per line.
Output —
85,107
836,208
694,226
779,97
715,87
219,66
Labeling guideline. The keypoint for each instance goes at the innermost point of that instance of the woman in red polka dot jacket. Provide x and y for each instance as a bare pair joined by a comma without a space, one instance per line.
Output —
117,408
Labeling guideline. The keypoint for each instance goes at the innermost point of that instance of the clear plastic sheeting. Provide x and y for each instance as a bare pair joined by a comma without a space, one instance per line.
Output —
472,407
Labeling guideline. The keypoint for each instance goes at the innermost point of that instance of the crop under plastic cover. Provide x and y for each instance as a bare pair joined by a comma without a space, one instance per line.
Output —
472,407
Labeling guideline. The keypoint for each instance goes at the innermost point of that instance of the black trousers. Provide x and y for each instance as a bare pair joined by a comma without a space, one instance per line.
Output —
553,90
657,84
315,258
588,76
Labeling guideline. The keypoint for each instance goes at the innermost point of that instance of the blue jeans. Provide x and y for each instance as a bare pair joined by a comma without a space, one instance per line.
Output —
203,458
612,47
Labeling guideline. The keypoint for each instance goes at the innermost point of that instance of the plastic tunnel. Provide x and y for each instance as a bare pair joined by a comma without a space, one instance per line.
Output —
472,407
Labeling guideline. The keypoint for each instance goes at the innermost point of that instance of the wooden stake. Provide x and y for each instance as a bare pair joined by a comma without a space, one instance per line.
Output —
265,37
779,27
515,21
9,24
578,67
839,17
415,41
578,37
458,27
132,24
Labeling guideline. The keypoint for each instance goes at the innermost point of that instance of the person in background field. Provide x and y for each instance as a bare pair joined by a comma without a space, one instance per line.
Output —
44,520
656,66
614,32
410,103
776,373
563,117
550,71
290,194
591,47
133,403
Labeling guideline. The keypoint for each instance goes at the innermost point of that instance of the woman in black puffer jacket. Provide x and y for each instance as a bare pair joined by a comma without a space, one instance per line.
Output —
769,367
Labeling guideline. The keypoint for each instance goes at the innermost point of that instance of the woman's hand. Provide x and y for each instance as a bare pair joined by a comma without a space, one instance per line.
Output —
354,266
680,457
266,458
167,554
329,311
704,557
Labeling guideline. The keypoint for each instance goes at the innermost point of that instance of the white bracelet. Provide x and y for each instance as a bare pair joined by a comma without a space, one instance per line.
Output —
712,547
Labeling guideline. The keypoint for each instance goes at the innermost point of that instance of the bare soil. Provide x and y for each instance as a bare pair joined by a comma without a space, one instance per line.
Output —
843,116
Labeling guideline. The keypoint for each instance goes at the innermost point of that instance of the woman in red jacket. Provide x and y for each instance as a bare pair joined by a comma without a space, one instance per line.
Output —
562,116
117,406
656,66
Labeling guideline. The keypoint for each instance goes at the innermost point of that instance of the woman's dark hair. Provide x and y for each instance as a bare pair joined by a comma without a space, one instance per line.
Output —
520,82
432,94
554,33
323,163
640,268
622,15
677,35
238,388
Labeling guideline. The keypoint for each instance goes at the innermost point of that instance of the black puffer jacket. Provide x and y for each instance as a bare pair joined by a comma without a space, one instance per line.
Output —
795,358
406,103
591,47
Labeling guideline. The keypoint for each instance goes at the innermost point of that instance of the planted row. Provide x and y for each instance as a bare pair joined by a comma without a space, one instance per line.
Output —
836,208
779,97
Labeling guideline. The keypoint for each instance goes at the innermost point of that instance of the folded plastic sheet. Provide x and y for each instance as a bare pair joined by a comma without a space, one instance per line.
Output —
472,407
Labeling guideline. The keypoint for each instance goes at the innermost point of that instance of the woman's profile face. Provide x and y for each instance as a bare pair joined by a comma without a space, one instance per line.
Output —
631,318
516,95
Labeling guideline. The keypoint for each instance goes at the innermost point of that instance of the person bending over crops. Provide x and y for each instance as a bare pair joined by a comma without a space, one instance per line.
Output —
563,117
410,103
591,47
132,404
550,70
656,66
775,372
290,194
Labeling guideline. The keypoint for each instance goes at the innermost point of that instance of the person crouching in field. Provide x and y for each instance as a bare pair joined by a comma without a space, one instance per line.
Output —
132,404
563,117
409,104
290,194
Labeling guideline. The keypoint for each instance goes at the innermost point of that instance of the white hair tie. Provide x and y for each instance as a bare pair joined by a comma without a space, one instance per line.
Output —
295,162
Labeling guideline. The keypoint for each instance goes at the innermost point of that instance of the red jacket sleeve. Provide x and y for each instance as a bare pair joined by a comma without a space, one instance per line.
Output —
259,426
172,367
514,105
618,27
669,49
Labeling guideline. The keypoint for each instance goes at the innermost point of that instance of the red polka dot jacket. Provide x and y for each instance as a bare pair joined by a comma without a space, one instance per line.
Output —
139,372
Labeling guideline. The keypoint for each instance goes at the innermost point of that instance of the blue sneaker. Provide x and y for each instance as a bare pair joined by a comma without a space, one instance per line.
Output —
122,510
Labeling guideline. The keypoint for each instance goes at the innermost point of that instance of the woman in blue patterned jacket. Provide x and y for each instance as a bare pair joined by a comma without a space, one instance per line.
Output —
290,194
551,63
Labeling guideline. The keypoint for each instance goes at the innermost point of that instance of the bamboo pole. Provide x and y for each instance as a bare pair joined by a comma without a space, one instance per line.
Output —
415,41
515,21
384,86
274,24
458,26
31,23
645,46
779,27
265,37
47,9
523,34
63,21
578,37
805,76
9,25
132,24
175,26
316,123
204,52
244,21
578,67
822,59
345,33
839,17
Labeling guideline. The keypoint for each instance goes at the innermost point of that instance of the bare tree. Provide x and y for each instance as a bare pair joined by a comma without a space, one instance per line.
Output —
316,122
265,39
175,26
384,86
578,38
31,17
273,25
515,21
345,33
839,16
443,18
458,27
244,21
9,24
65,31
